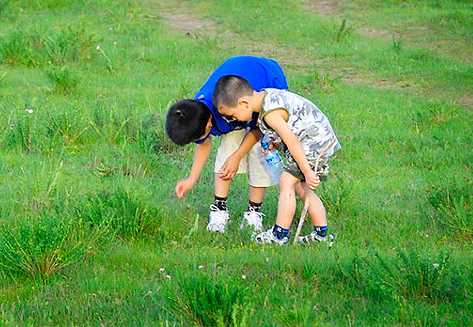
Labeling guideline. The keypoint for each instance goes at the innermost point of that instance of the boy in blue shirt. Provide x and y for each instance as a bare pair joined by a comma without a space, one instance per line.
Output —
198,120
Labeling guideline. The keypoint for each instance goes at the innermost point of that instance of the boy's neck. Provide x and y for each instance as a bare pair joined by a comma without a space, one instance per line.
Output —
259,98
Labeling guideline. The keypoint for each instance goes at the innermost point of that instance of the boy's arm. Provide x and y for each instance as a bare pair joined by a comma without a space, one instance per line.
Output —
230,167
201,154
276,119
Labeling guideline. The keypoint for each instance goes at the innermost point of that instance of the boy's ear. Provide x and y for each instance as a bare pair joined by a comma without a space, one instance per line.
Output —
243,101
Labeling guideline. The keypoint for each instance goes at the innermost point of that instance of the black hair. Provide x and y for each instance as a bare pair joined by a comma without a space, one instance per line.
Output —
186,121
229,89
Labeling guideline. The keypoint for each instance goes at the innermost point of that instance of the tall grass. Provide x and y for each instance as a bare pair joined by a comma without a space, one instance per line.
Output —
125,216
201,300
408,276
453,204
63,79
43,246
40,48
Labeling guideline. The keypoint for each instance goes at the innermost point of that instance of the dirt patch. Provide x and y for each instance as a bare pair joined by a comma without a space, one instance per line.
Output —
323,7
423,37
351,76
466,101
375,32
187,23
180,18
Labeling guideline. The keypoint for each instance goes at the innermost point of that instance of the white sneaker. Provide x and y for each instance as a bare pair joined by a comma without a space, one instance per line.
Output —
316,238
268,237
217,219
254,219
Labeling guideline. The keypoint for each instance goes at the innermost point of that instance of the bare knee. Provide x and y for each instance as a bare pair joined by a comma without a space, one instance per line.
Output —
287,183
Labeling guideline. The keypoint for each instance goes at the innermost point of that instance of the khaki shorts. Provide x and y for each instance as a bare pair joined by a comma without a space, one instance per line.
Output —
252,163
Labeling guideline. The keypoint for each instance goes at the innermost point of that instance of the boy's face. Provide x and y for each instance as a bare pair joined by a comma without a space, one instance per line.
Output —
241,112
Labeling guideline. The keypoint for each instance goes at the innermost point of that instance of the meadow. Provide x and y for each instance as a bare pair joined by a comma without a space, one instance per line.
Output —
92,234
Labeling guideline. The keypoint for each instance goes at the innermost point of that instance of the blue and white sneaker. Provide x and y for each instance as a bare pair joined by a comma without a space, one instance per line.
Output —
217,219
268,237
316,238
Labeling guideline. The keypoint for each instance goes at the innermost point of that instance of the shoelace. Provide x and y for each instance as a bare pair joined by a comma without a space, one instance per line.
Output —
220,216
253,219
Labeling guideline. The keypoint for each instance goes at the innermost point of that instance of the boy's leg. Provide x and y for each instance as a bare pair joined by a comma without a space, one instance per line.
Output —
258,180
279,233
316,210
253,216
287,200
256,194
317,214
222,187
219,215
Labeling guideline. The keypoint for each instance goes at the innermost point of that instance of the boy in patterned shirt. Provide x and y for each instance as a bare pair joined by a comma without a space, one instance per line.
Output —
300,131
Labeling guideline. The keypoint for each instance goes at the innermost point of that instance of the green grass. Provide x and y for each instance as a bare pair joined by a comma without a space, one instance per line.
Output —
91,233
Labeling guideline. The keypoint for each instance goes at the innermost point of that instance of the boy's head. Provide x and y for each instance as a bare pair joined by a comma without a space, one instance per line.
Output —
188,121
234,98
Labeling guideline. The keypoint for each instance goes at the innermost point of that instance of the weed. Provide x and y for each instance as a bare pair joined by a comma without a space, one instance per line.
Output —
209,302
343,31
397,43
39,248
336,196
17,49
108,61
50,4
31,49
454,208
20,133
407,276
68,45
65,126
325,81
125,216
152,136
63,79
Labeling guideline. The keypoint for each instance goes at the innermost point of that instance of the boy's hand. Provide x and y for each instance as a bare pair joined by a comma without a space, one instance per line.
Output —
230,167
183,186
311,179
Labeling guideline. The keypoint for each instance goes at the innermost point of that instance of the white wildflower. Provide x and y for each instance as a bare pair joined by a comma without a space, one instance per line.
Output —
243,276
97,47
161,270
168,276
201,267
29,110
436,265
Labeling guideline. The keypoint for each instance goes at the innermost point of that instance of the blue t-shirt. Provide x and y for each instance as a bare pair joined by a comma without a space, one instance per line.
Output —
258,71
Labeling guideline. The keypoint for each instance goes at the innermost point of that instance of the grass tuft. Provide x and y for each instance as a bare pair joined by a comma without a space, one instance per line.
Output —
454,209
124,215
33,49
40,248
17,49
63,79
20,133
208,302
407,276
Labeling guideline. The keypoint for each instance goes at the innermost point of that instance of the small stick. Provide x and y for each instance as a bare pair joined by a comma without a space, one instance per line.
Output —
306,200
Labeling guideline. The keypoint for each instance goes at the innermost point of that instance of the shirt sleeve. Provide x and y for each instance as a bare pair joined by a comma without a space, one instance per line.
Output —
272,101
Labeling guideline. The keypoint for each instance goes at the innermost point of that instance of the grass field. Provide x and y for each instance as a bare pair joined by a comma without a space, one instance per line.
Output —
92,234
